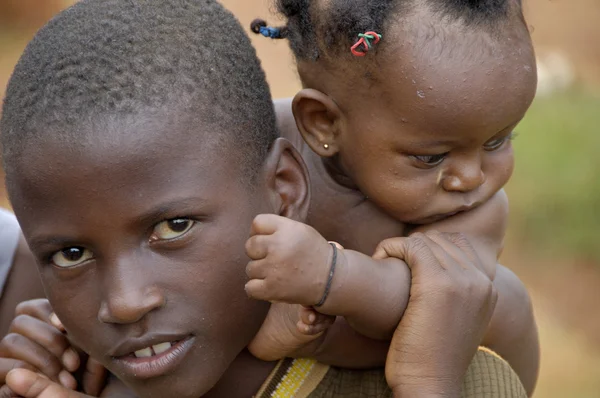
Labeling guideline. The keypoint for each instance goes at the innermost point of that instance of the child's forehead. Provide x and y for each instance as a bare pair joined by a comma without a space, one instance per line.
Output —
122,178
140,134
122,146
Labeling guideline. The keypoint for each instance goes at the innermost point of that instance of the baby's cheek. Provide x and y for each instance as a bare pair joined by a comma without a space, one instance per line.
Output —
499,170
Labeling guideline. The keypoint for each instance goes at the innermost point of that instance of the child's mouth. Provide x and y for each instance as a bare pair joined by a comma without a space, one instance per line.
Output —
155,360
154,350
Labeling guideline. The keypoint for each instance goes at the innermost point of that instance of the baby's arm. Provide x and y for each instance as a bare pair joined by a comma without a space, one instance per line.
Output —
512,332
293,263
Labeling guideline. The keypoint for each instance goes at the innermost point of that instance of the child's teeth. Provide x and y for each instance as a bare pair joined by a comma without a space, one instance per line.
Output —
160,348
143,353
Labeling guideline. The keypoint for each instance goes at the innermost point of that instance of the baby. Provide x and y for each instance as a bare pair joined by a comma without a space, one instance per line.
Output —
405,123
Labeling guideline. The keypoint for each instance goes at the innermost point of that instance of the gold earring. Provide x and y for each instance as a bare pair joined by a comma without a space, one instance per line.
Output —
326,146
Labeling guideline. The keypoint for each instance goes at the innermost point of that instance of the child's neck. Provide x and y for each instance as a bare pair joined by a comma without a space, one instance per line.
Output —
244,377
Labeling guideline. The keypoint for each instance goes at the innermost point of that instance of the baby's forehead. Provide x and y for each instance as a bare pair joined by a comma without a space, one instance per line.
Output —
456,71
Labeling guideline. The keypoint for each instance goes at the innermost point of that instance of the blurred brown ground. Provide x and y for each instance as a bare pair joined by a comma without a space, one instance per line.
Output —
566,296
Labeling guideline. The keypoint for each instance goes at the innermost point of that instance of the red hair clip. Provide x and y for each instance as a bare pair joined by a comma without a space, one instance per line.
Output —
366,40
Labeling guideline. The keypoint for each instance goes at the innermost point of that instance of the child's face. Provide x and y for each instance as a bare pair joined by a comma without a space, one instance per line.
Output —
120,275
431,135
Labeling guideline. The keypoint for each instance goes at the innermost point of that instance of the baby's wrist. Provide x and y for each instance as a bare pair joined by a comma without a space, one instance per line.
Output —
334,299
332,265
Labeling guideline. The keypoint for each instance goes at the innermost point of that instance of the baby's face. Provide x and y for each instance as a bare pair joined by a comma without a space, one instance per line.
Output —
140,241
431,135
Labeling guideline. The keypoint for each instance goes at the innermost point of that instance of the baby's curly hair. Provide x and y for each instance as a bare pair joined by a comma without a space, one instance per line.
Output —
316,28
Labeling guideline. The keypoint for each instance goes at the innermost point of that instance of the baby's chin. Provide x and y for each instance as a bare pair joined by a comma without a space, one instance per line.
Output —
430,219
435,217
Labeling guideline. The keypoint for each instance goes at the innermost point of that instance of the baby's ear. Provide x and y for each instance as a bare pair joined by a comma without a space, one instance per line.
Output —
317,117
287,179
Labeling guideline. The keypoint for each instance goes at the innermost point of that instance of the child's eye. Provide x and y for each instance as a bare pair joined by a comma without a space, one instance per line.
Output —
496,144
71,257
430,160
171,229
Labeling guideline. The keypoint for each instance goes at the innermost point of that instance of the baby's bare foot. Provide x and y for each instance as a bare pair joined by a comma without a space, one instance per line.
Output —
290,330
312,322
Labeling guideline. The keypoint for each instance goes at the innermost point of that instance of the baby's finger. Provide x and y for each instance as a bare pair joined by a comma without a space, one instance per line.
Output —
308,315
257,289
265,224
19,347
94,377
257,247
319,325
256,270
48,337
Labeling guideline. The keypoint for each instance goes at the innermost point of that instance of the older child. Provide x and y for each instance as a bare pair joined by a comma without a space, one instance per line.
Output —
139,143
405,123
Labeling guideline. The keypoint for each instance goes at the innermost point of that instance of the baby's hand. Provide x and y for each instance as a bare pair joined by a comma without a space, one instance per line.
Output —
290,261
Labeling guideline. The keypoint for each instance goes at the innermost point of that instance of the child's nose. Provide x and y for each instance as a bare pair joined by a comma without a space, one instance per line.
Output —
128,295
464,177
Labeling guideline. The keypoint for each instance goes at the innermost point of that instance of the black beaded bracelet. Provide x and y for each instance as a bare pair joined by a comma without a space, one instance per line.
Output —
330,278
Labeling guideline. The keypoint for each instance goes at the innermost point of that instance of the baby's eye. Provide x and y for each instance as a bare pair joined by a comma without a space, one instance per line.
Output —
71,257
430,160
498,143
171,229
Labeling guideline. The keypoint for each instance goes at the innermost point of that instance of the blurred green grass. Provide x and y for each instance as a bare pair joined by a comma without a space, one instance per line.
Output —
555,191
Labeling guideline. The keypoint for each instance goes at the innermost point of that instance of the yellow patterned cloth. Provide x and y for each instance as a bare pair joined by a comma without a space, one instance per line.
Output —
488,376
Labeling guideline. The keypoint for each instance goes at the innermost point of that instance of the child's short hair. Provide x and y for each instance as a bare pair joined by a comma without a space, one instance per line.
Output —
315,29
113,58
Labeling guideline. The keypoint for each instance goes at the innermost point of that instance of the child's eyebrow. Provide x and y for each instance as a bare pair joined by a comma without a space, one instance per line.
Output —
170,209
41,241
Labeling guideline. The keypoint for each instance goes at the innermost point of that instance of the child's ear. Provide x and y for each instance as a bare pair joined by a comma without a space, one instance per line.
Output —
317,117
287,180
